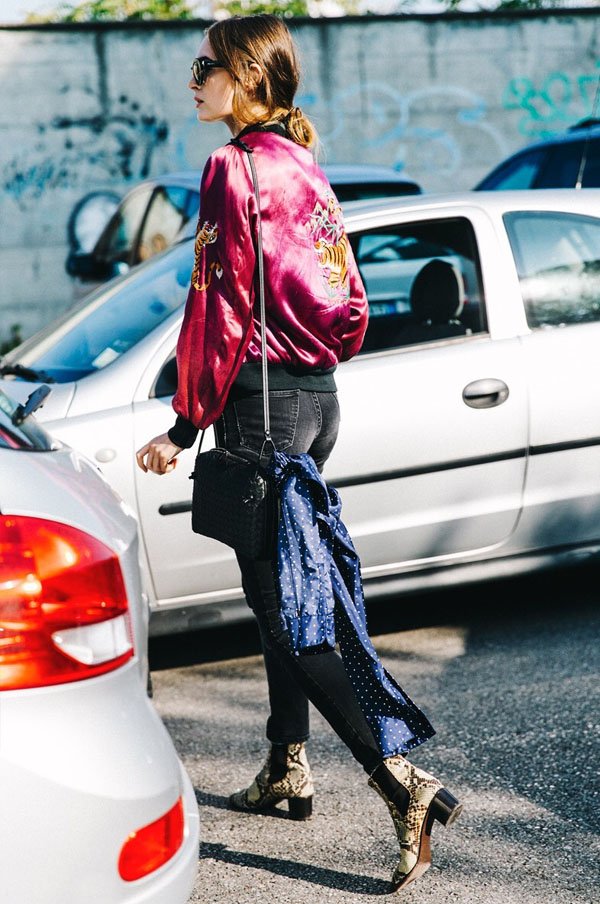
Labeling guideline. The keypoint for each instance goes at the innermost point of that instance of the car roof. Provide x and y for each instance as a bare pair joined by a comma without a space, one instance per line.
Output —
186,178
587,128
348,173
340,173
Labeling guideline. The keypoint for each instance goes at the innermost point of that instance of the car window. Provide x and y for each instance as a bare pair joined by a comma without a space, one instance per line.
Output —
591,172
23,434
422,281
558,262
117,240
517,173
561,166
166,215
114,320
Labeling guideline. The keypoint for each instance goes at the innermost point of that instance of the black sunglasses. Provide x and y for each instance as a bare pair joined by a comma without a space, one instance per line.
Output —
201,67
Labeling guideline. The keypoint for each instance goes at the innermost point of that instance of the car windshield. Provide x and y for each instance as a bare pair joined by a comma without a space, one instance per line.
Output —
111,321
20,432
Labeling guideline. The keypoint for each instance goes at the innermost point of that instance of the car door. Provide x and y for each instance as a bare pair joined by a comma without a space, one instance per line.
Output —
182,565
558,258
431,455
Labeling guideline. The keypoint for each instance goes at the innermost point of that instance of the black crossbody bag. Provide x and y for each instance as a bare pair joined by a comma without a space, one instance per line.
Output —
233,499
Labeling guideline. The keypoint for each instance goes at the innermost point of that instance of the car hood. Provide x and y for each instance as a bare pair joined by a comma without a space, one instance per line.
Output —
55,406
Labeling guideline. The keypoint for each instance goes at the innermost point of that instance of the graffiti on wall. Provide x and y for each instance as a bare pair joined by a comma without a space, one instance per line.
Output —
428,128
554,104
78,152
432,131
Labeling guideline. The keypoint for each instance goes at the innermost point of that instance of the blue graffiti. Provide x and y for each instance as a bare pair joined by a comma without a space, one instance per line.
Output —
116,148
392,127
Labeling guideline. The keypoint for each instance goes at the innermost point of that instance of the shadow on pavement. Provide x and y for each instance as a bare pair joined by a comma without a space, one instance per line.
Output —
220,802
328,878
525,596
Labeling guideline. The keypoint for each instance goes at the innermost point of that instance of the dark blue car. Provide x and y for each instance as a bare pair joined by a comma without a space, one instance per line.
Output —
569,160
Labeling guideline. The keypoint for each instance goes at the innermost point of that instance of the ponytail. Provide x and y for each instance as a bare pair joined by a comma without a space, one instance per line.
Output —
300,128
263,39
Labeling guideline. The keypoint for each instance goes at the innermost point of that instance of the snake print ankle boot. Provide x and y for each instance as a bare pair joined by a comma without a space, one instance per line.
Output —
284,776
415,799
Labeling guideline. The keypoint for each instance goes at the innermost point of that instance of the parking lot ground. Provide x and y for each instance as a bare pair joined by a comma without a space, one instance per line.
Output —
508,674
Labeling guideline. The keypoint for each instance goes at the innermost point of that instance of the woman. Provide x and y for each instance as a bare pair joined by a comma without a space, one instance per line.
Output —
246,76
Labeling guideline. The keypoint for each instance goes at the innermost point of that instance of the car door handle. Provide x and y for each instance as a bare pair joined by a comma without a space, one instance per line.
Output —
486,393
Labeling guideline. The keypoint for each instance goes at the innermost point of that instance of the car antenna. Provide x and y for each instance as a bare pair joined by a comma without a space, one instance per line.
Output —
586,144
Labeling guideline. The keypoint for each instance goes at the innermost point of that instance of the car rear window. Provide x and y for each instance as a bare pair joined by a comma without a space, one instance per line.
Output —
561,166
362,191
518,172
563,163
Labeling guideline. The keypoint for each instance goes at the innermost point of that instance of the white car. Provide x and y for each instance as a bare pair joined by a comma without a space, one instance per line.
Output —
96,806
469,442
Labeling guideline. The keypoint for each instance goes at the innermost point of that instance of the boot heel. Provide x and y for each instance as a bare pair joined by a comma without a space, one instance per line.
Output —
445,808
300,807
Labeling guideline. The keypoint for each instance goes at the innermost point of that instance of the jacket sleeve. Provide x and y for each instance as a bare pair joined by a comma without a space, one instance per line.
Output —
218,320
358,318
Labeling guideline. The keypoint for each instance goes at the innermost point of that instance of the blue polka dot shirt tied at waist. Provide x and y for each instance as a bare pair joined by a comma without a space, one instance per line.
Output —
321,599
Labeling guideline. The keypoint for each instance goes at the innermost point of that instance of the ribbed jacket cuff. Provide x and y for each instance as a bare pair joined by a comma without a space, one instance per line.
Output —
183,433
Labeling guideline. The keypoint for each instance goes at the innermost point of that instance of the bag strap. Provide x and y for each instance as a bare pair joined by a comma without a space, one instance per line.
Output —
262,306
261,298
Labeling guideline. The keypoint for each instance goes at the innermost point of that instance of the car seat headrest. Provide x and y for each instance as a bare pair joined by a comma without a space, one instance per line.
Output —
438,293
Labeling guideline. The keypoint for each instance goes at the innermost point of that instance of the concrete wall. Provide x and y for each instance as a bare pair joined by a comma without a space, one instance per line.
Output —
99,107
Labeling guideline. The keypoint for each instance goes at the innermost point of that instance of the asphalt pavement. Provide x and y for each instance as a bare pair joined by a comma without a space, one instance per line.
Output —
508,674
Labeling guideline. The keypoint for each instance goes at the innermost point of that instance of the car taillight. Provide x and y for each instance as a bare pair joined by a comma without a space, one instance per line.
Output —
151,846
63,606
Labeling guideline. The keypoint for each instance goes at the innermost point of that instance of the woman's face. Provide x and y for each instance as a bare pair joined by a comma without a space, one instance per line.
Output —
214,99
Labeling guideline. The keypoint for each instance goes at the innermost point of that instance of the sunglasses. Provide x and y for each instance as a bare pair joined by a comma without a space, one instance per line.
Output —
201,68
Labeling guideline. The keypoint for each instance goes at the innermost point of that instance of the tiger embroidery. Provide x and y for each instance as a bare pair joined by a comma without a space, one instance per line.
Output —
207,235
333,259
331,247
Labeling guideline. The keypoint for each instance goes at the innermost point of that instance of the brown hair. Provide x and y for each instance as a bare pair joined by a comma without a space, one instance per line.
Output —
266,41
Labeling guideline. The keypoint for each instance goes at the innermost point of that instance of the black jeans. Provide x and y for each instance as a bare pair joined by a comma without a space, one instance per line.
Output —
301,421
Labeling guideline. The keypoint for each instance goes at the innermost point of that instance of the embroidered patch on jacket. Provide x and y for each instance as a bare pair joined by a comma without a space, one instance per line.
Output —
207,235
331,246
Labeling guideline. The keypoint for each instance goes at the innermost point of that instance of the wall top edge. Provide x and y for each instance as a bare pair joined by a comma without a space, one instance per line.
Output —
480,15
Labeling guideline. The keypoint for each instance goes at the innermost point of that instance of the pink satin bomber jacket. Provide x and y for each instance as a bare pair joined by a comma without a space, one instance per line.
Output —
316,305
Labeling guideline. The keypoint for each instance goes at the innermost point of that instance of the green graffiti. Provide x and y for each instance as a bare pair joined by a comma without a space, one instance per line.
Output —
561,100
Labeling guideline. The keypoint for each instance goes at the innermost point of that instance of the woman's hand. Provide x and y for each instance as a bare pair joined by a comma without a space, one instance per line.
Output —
160,455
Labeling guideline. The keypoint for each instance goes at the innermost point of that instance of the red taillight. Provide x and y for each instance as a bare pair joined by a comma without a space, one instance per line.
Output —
63,605
150,847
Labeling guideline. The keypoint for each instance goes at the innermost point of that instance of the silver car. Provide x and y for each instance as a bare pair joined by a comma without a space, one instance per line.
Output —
96,806
469,443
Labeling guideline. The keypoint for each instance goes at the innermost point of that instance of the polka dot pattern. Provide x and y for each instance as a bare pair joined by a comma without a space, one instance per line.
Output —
321,598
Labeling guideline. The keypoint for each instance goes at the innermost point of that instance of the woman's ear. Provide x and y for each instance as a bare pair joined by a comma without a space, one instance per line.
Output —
254,77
